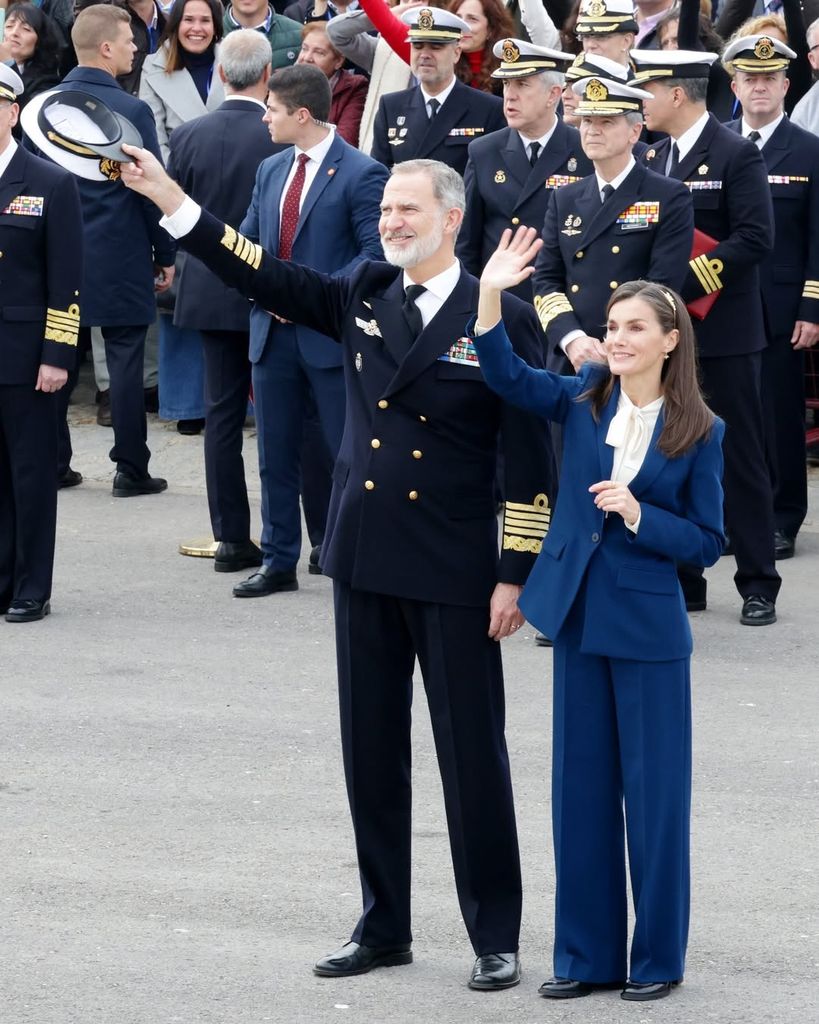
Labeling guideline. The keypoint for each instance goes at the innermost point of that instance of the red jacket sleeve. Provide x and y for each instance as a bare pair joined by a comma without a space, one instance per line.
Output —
392,29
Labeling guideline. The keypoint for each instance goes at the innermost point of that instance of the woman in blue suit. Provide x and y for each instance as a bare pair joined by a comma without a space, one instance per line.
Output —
640,489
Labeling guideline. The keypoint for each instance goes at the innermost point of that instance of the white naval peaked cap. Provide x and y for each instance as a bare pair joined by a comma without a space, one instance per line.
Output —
519,58
758,54
605,17
433,25
11,84
606,96
655,65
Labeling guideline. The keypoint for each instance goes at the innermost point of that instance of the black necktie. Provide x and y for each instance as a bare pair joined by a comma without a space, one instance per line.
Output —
534,152
754,136
412,314
675,160
434,106
608,192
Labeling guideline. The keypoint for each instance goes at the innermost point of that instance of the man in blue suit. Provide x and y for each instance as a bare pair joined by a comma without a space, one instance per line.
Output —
789,275
126,250
439,117
215,158
316,205
511,174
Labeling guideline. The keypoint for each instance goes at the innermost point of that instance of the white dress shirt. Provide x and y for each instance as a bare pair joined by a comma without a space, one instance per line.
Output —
543,140
438,290
765,132
6,156
688,139
441,97
316,154
629,434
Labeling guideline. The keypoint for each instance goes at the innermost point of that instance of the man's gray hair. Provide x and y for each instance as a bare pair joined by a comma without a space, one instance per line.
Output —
550,78
244,55
633,117
812,33
447,184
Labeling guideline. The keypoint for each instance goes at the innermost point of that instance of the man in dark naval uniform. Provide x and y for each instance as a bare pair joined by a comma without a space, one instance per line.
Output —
732,208
619,224
411,545
439,117
40,273
511,173
789,275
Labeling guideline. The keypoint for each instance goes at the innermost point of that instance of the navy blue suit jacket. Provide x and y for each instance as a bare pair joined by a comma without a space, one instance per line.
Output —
590,248
121,229
40,268
337,229
215,158
634,607
790,274
403,130
504,191
732,203
414,515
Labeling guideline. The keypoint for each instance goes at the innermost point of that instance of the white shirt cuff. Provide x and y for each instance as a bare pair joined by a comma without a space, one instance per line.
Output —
183,220
567,338
635,526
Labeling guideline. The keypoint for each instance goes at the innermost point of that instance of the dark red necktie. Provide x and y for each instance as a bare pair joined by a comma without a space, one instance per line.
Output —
290,209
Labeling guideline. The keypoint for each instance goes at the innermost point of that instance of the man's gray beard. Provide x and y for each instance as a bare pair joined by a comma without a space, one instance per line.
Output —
421,249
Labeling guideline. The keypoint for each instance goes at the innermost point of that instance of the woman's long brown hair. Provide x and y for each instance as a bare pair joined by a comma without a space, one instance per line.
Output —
500,26
686,417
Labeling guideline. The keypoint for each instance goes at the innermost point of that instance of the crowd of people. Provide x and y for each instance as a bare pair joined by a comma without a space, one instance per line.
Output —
637,189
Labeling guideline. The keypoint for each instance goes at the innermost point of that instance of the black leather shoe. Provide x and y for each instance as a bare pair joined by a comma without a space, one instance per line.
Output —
313,566
232,557
127,486
642,992
356,959
70,478
541,640
758,611
695,606
494,971
27,611
784,546
265,582
190,428
565,988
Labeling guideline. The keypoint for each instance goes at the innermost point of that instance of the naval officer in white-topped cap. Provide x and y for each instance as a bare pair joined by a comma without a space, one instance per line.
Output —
439,117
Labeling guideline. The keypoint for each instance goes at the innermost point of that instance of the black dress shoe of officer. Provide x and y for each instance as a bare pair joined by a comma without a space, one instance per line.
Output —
494,971
313,566
643,992
356,959
565,988
232,557
784,546
70,478
541,640
758,611
265,582
27,611
127,486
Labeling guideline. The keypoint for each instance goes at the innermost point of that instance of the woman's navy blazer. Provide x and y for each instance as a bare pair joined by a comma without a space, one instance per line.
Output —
634,607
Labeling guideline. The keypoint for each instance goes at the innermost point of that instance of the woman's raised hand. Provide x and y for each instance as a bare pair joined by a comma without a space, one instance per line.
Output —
510,263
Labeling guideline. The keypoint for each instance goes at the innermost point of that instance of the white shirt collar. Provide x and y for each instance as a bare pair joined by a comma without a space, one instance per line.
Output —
618,181
320,150
442,285
688,139
442,96
543,140
766,131
6,156
249,99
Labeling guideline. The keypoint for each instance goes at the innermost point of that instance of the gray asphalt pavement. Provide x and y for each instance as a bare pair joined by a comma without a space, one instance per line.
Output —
175,843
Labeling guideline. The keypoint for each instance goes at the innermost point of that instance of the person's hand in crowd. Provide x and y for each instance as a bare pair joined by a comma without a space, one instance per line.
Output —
147,176
404,5
319,9
163,278
511,262
584,349
50,378
805,335
504,617
613,497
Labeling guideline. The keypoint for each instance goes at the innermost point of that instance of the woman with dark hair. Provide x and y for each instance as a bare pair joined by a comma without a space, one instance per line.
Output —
640,490
180,82
488,22
33,43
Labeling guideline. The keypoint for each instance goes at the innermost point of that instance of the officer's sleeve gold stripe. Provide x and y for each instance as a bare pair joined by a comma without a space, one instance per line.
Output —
708,272
69,314
525,544
704,284
256,261
540,504
519,531
530,518
63,337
